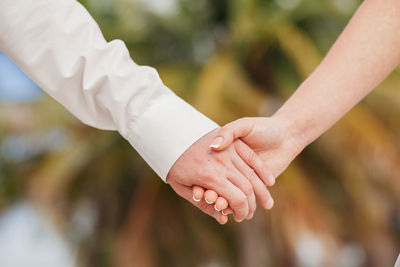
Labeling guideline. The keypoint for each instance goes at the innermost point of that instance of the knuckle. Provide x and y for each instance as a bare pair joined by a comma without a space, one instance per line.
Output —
251,156
247,188
224,131
212,181
239,201
208,179
252,175
219,158
229,125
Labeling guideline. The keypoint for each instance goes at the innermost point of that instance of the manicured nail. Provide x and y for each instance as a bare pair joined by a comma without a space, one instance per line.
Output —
208,202
223,213
217,142
195,199
271,179
215,207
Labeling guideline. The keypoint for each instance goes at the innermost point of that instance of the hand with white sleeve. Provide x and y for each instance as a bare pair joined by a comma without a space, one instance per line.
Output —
60,46
234,173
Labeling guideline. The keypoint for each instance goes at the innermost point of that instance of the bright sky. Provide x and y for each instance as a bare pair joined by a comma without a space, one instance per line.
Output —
15,86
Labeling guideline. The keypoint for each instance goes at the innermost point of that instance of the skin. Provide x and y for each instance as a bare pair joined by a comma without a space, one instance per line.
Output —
233,173
269,138
366,52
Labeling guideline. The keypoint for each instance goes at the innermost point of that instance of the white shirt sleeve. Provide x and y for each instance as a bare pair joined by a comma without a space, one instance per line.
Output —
60,46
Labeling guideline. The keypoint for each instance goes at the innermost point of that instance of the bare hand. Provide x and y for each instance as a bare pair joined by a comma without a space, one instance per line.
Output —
270,138
232,173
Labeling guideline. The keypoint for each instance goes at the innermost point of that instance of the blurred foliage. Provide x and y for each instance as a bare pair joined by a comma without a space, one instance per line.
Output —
336,205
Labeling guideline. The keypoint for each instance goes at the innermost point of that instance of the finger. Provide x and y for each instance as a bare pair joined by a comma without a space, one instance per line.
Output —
220,204
253,161
230,132
222,219
236,198
260,190
208,209
227,211
247,174
198,193
238,179
252,206
186,193
210,196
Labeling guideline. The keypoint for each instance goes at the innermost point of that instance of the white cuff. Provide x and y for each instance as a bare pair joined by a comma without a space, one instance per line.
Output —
166,130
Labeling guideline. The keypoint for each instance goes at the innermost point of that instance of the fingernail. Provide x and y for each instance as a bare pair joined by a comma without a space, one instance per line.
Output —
271,179
217,142
223,213
215,207
270,203
208,202
195,199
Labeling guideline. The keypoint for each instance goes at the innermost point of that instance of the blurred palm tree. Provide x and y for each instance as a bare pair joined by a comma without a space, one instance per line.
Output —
336,205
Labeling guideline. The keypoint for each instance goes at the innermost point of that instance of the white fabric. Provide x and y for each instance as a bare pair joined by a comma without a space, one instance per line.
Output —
397,264
59,45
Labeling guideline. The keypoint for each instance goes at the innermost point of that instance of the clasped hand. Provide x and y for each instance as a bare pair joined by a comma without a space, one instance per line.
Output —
226,170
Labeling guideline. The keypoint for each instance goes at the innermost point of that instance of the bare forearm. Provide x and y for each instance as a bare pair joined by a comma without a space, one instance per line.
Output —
365,54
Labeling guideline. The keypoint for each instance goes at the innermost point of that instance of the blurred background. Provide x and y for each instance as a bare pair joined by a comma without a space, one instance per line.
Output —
71,195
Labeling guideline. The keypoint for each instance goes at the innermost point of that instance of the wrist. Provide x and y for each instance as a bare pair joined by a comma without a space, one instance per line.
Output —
295,134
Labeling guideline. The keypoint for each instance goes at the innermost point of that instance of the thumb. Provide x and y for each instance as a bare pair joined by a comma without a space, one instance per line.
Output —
230,132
